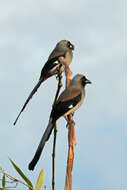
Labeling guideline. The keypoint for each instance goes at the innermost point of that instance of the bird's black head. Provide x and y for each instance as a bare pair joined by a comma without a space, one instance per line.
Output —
85,81
70,46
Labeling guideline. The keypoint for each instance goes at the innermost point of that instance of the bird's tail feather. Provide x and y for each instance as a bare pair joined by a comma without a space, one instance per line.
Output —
30,96
45,138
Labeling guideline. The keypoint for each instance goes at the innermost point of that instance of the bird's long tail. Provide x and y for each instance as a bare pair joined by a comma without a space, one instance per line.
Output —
45,138
30,96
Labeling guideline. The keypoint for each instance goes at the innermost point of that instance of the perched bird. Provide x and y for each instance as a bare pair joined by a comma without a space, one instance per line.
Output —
69,101
58,61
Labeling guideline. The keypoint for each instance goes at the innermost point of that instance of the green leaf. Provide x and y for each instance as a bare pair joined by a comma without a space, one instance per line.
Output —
40,180
3,181
21,173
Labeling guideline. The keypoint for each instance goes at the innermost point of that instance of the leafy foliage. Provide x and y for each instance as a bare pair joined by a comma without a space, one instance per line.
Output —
21,174
40,180
28,183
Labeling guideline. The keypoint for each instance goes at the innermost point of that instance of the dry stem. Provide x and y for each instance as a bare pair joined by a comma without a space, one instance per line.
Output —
55,133
71,143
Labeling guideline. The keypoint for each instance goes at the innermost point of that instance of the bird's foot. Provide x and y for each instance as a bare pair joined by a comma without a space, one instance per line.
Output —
57,77
70,122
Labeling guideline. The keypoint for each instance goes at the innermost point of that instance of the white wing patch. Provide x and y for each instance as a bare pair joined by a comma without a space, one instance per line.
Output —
56,62
71,106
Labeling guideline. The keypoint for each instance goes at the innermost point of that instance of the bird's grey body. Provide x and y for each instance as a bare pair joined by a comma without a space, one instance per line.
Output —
60,49
74,89
68,102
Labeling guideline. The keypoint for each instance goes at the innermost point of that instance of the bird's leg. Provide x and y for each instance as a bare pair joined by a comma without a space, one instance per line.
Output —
57,77
73,113
59,71
70,122
65,117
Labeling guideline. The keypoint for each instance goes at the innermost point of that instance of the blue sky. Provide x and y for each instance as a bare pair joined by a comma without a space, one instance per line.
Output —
98,29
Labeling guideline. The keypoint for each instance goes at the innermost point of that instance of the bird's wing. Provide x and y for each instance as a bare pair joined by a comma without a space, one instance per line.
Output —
69,94
66,102
50,64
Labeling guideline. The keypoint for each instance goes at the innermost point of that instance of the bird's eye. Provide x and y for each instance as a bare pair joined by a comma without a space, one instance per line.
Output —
70,46
83,79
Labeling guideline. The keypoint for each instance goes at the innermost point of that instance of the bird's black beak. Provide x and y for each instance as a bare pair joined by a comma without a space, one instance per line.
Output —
88,81
85,81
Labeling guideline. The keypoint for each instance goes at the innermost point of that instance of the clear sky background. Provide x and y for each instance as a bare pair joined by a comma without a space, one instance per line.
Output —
29,30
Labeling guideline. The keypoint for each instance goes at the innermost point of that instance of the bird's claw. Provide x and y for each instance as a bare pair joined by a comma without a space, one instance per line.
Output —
69,122
57,77
59,72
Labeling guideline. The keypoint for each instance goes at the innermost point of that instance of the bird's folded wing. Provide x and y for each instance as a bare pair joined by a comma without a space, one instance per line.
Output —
50,64
67,101
69,94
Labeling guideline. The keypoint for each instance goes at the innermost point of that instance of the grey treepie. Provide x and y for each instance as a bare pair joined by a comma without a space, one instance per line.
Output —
69,101
59,59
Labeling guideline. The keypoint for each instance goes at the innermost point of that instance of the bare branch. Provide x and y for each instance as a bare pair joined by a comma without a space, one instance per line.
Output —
71,142
55,130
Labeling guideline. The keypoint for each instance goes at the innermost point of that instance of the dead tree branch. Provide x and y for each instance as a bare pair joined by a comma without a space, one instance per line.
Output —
55,131
71,143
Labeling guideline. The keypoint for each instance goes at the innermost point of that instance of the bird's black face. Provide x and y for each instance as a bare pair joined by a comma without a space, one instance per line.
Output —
85,81
70,46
